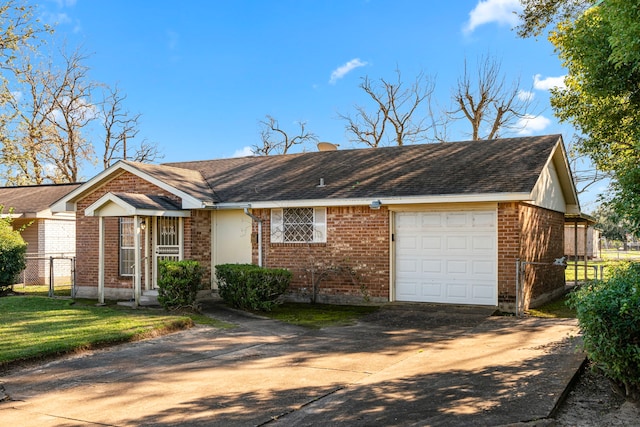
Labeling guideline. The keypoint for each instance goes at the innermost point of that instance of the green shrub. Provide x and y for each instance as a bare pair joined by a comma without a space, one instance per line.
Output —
250,287
12,255
609,316
178,283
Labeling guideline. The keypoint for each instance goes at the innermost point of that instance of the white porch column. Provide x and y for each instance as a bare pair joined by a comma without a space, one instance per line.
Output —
100,260
147,254
137,262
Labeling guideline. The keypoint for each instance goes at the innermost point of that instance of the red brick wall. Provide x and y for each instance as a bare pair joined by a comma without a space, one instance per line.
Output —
353,263
531,234
542,241
197,239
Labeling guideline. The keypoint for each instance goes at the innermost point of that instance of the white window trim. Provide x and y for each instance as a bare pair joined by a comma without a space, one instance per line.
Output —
319,225
121,247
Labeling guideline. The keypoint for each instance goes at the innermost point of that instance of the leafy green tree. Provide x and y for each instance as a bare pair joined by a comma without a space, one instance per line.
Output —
12,252
601,51
611,224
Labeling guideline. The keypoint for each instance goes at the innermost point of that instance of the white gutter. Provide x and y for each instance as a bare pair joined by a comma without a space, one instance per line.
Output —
385,201
259,221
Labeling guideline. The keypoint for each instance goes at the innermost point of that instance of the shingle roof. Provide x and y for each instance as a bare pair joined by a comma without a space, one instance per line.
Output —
510,165
187,180
32,199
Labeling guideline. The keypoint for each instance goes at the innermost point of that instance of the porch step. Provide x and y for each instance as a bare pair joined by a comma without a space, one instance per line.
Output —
148,298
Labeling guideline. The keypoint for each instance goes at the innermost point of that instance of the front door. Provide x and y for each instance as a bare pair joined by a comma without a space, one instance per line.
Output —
167,242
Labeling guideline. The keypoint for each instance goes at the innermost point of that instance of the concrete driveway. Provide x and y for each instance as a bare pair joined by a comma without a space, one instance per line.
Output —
405,365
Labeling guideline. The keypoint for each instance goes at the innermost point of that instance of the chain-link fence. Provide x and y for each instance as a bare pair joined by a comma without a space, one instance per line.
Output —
50,270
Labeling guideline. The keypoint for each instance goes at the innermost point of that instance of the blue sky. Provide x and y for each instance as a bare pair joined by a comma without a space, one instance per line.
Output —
203,73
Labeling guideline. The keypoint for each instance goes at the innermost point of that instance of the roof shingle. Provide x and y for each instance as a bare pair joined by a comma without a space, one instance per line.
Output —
31,199
510,165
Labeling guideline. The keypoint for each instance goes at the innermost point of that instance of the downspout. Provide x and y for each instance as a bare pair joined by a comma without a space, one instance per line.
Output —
259,221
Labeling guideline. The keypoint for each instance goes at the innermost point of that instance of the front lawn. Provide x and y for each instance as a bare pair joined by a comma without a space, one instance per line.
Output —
35,327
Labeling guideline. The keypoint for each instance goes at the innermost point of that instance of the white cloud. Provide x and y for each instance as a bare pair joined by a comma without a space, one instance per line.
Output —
525,95
531,124
548,83
342,70
243,152
498,11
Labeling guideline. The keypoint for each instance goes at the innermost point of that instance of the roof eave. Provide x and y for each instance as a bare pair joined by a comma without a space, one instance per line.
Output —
384,201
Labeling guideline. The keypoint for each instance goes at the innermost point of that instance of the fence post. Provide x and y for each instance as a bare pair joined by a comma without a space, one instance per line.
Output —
50,277
73,277
517,286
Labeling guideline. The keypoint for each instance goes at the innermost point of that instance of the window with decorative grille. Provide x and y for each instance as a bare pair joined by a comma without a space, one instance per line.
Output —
298,225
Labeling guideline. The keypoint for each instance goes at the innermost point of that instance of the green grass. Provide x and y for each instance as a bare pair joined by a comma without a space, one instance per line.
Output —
554,309
33,327
43,290
318,316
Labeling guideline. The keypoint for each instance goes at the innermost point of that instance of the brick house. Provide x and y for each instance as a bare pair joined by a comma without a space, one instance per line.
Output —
46,233
440,223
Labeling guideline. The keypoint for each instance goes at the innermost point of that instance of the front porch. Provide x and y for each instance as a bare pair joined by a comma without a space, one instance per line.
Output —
150,229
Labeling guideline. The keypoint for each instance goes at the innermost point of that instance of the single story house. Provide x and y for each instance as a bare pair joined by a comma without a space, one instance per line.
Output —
437,223
46,233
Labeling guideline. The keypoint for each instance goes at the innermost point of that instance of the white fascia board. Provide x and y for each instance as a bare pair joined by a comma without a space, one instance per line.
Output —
128,210
68,203
385,201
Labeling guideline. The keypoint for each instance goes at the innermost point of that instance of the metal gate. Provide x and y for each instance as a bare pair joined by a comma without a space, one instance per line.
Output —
54,271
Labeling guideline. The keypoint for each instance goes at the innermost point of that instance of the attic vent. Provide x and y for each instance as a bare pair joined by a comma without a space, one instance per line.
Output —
327,146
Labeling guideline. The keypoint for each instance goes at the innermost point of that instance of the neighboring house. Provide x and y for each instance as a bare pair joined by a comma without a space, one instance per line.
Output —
440,223
45,232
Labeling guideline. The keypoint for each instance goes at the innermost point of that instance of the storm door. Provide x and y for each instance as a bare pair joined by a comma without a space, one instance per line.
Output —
167,241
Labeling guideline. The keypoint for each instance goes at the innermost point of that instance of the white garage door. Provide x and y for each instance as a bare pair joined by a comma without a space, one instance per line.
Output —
446,257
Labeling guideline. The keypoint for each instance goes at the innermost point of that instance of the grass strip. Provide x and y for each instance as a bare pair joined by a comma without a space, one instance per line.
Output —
317,316
37,327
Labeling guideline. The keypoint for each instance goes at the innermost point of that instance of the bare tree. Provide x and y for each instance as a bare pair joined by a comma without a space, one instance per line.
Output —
275,140
44,128
120,127
488,103
118,124
394,120
70,90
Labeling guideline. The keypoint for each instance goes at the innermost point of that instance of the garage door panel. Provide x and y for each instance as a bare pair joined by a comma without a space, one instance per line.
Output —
432,266
433,243
457,267
483,268
457,291
457,243
430,220
407,267
483,242
454,261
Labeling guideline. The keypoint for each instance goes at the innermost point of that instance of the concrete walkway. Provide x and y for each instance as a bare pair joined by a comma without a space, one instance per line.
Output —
405,365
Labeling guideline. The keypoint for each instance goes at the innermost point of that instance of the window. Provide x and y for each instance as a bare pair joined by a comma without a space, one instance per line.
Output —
127,246
298,225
